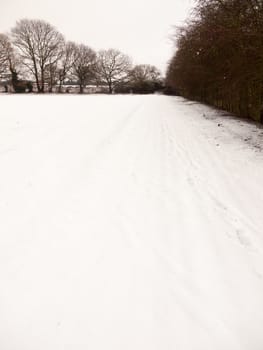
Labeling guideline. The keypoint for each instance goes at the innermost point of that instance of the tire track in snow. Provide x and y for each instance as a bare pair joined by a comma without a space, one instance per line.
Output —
189,293
132,251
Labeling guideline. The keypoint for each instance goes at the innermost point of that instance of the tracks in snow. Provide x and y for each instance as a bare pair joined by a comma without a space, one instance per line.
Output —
132,233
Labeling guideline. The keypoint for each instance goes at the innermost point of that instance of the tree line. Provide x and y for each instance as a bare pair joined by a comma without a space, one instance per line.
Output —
35,51
219,56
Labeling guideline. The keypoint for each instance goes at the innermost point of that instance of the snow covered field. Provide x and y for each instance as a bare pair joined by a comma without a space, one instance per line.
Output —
129,223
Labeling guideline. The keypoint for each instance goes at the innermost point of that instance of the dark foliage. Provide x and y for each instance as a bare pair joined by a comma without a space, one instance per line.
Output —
21,86
219,57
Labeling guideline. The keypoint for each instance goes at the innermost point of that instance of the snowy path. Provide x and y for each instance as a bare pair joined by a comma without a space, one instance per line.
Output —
129,223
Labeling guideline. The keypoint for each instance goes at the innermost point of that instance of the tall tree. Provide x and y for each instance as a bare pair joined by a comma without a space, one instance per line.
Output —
40,46
66,62
145,78
83,66
112,68
3,55
8,59
219,57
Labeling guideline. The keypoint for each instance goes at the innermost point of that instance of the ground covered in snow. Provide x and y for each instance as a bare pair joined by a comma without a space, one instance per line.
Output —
129,223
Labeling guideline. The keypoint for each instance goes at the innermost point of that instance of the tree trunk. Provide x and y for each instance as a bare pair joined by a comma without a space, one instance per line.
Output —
60,86
110,87
36,73
42,87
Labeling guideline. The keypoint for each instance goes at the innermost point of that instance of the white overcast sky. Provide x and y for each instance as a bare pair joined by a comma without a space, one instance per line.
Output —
140,28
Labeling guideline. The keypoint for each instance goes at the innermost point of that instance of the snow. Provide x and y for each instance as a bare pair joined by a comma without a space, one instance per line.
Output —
129,222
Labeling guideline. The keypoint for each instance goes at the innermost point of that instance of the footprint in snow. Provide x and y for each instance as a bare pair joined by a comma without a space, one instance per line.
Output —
243,239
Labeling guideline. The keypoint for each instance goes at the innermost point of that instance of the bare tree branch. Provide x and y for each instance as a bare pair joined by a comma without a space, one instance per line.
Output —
112,67
40,46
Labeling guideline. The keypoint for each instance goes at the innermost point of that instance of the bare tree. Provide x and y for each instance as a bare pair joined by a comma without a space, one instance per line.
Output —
11,66
7,55
3,58
39,45
65,63
83,65
51,75
112,67
145,72
145,78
